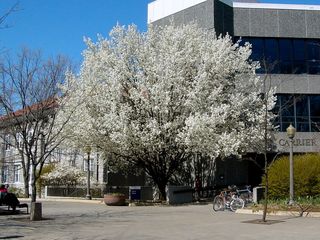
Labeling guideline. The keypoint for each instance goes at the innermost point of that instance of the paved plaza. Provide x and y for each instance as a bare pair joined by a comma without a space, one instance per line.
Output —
94,220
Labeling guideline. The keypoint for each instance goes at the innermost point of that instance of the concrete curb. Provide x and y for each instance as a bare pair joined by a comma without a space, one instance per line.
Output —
279,213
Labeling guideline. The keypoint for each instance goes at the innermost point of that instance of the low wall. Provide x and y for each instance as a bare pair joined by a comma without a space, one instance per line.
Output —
146,192
179,194
175,194
79,191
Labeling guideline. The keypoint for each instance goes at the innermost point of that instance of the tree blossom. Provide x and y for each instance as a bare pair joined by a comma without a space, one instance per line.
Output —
155,99
64,175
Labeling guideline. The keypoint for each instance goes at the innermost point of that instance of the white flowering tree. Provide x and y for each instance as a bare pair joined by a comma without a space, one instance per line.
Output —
155,99
64,175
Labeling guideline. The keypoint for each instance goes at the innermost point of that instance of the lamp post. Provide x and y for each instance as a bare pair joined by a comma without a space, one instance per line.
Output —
88,151
291,131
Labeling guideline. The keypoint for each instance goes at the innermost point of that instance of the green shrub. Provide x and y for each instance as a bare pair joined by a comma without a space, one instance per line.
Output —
306,176
17,191
45,170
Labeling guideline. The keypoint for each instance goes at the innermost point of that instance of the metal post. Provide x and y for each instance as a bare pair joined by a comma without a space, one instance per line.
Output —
291,133
88,196
97,169
291,200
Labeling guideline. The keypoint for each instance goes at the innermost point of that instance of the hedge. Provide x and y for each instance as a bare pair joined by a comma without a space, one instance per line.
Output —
306,176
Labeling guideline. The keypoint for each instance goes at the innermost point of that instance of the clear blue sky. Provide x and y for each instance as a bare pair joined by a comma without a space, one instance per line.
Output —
58,26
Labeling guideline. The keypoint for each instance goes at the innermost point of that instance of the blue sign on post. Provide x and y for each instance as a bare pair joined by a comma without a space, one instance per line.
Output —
135,192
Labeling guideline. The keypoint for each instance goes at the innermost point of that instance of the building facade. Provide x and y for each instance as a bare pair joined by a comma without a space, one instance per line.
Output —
32,121
285,39
11,162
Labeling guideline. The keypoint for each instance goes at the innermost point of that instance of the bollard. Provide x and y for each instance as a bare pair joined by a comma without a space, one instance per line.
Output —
258,193
36,211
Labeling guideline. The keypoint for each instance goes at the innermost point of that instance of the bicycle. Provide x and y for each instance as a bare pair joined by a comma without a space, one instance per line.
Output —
246,194
228,200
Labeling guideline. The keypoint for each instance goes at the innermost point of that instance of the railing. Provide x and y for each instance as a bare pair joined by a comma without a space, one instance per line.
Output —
75,191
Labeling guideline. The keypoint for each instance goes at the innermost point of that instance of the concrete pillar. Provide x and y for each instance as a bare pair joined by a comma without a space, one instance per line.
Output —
36,211
257,193
46,192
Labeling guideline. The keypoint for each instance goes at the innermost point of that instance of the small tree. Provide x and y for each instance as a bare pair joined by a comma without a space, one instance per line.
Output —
158,98
267,128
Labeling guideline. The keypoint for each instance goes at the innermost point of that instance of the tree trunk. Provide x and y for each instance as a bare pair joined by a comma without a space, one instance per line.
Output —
265,204
161,182
34,193
26,187
162,190
33,185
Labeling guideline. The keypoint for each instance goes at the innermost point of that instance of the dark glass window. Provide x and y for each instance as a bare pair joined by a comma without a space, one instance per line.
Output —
287,105
302,105
271,49
285,67
313,50
298,50
299,67
257,49
285,49
314,67
271,55
315,105
302,113
285,55
302,127
315,112
287,111
299,63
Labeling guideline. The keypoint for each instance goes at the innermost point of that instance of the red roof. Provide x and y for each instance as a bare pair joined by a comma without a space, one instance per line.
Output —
44,105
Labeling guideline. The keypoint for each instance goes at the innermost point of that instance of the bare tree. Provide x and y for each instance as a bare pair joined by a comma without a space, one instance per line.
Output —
4,15
29,93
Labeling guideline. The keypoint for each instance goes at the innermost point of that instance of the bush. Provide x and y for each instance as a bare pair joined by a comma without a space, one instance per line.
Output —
16,191
41,182
306,176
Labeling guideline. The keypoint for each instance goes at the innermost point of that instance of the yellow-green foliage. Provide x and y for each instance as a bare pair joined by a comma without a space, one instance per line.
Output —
306,176
46,169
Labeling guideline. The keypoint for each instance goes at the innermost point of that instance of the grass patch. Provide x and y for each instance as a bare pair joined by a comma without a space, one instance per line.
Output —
302,205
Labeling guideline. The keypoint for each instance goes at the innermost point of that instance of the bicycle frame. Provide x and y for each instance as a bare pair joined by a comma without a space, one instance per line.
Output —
228,200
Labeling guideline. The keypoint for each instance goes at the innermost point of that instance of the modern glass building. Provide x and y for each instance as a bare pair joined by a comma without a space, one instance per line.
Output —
285,39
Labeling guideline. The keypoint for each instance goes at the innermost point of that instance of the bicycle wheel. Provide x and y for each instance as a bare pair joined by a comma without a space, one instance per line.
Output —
246,197
218,203
236,203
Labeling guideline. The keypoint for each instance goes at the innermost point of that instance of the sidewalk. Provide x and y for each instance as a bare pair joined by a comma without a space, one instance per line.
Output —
239,211
67,220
